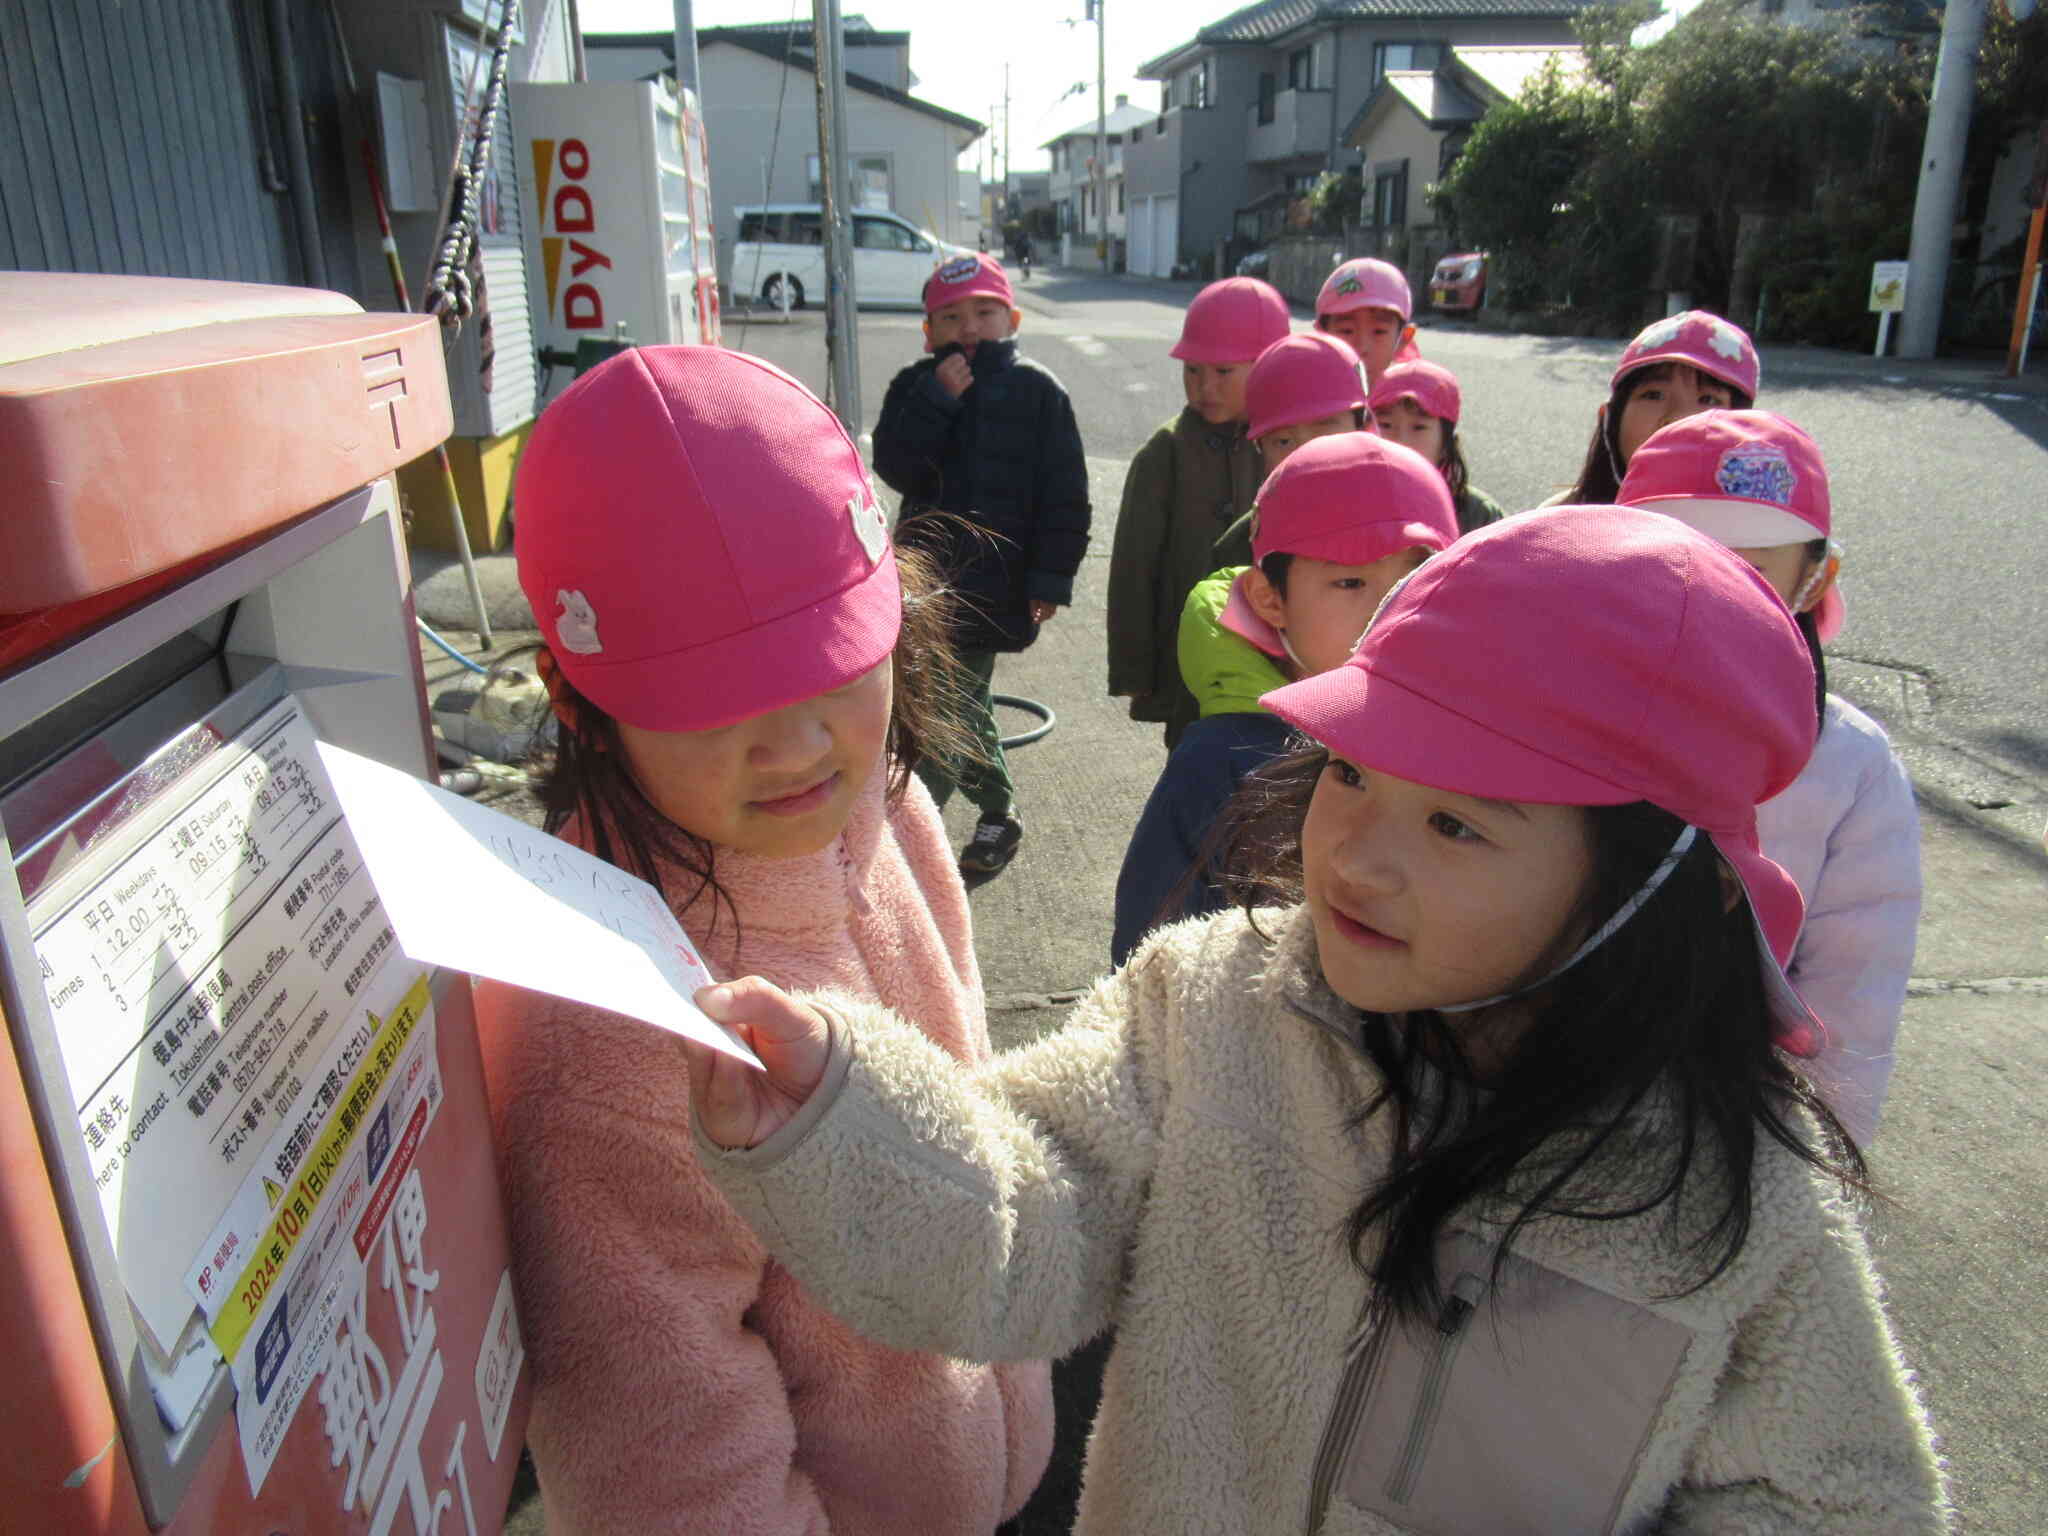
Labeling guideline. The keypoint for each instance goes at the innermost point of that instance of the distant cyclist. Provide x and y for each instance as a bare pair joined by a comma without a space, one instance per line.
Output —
1024,253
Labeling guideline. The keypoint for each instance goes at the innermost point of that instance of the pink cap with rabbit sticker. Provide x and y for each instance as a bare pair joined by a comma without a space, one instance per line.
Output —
1232,322
1302,378
1750,479
1716,347
700,540
1591,656
1365,283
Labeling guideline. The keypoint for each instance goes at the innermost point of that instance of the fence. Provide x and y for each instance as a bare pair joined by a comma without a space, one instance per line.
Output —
1299,263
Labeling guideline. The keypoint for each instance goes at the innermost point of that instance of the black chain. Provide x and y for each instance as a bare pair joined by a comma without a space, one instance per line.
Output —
451,294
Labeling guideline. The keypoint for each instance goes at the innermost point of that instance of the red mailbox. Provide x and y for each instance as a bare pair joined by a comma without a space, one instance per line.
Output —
253,1260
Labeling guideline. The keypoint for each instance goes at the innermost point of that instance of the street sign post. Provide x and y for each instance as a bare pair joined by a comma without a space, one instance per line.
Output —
1887,298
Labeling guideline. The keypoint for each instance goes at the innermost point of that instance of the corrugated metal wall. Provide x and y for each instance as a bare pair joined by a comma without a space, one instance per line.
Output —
128,143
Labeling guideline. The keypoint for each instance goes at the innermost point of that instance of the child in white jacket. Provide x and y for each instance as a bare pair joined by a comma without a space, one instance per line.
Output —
1477,1191
1846,829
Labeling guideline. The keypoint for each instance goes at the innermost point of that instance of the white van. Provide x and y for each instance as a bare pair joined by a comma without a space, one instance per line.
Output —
781,249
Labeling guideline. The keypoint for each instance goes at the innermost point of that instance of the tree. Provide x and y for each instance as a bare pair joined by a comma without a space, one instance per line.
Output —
1728,114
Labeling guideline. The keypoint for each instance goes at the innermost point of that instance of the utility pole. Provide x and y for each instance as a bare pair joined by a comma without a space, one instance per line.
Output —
1005,218
1941,176
842,358
686,48
1101,138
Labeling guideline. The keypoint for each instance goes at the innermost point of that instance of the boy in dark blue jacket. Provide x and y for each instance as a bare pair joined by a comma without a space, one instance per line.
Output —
982,446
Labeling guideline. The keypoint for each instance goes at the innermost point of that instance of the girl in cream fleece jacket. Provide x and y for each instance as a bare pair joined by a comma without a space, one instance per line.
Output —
742,682
1477,1193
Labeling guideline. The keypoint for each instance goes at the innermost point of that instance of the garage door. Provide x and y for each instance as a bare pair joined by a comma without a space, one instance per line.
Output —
1165,235
1140,260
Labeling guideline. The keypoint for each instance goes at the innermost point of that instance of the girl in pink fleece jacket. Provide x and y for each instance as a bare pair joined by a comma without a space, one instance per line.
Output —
744,682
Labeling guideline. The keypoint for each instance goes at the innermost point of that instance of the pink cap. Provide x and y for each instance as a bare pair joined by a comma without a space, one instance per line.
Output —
1750,479
967,277
700,541
1302,378
1350,499
1365,283
1590,656
1430,385
1232,322
1717,347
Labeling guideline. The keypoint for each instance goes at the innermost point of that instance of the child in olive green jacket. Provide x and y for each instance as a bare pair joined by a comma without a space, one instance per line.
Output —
1186,486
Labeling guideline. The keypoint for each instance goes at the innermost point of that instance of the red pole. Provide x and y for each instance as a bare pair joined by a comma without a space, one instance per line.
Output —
2023,311
384,227
476,595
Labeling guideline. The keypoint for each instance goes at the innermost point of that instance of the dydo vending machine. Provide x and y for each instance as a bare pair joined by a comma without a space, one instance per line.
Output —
253,1261
616,198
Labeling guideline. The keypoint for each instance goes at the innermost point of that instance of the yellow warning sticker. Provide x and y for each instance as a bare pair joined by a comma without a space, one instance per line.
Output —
295,1207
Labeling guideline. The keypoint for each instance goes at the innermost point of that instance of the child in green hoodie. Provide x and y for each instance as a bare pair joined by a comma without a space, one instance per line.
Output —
1335,528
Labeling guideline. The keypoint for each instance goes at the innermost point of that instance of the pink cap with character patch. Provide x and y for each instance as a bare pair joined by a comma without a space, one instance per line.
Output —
1365,283
1718,348
967,277
1750,479
700,541
1591,656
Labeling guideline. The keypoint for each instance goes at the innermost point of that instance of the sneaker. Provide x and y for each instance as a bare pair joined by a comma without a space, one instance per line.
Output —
993,845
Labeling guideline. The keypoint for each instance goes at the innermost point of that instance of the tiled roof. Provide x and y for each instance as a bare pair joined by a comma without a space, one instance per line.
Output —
1121,120
1434,98
1507,69
1256,23
855,29
1269,19
1448,10
779,48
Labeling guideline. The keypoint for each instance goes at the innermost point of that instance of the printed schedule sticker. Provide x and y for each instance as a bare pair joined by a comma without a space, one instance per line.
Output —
205,969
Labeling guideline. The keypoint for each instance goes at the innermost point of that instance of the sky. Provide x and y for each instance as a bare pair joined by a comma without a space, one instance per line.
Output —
959,64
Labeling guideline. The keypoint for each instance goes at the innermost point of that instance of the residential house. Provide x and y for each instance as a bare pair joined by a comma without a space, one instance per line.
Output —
1253,106
1030,192
1074,185
759,91
1414,124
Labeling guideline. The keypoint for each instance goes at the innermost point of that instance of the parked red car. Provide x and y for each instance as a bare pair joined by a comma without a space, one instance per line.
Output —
1459,281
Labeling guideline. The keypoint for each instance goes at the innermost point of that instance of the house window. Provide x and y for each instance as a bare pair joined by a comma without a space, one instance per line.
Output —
1119,197
867,177
1194,87
1301,69
1265,98
1390,194
1386,56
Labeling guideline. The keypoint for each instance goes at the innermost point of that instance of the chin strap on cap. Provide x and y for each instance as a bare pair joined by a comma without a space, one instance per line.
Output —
1604,932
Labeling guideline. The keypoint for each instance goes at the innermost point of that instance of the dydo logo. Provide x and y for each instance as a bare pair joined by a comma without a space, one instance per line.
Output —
569,212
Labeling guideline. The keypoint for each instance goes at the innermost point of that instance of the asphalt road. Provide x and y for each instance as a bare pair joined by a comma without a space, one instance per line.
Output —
1940,478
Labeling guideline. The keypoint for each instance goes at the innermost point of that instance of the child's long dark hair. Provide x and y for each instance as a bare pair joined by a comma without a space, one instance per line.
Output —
587,776
1453,461
1600,476
1644,1073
